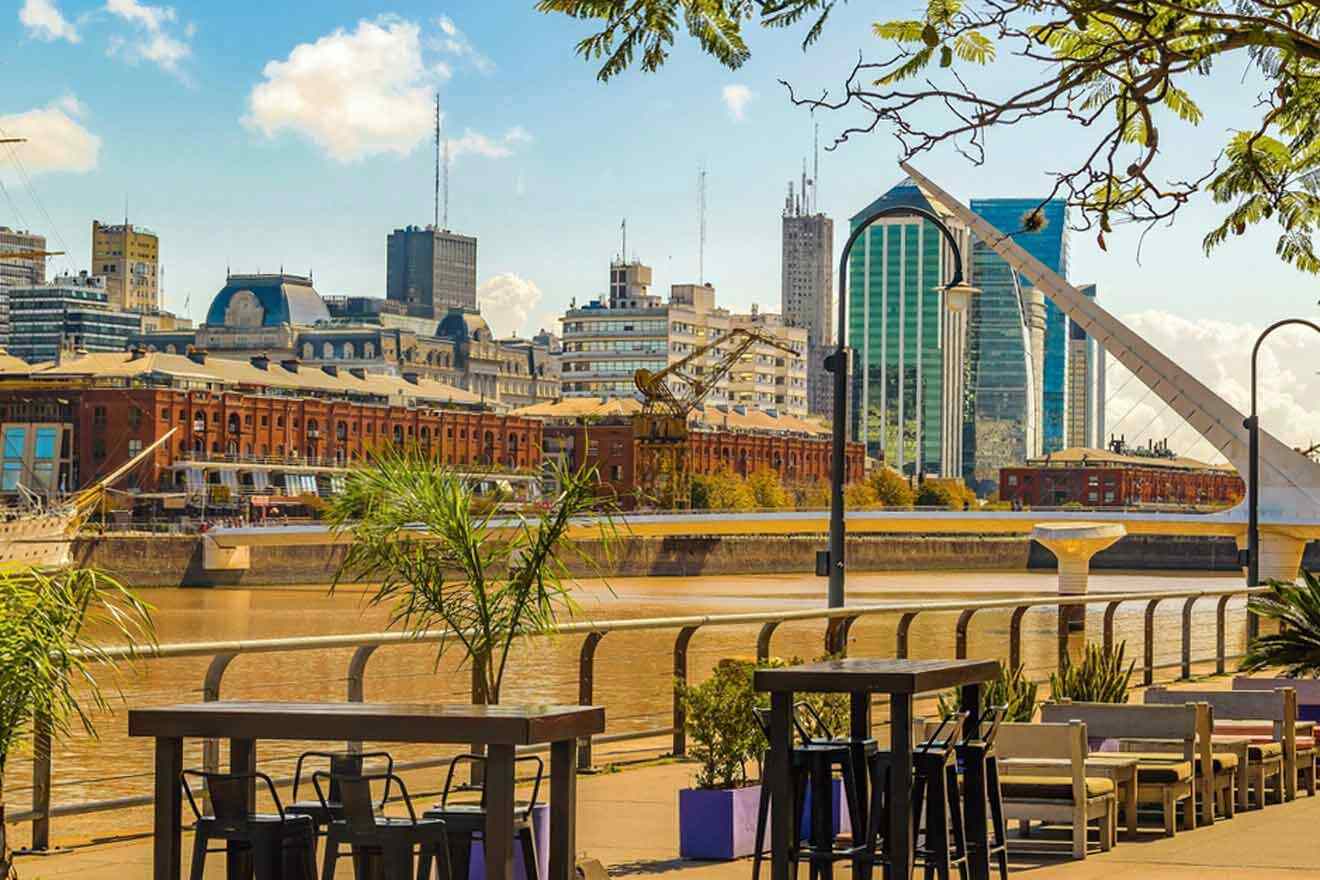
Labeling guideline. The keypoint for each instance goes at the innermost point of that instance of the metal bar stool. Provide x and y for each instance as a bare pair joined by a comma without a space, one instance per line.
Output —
281,846
468,820
798,772
392,840
340,764
986,843
935,795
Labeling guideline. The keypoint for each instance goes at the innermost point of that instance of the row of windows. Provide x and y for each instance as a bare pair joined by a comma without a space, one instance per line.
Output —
612,366
641,346
652,327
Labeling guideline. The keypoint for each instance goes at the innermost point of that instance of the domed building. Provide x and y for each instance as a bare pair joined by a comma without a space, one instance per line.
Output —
282,317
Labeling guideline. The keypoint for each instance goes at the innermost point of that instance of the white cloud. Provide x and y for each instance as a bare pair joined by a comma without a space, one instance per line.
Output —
154,41
736,98
477,144
508,300
43,20
354,94
56,140
1219,354
454,42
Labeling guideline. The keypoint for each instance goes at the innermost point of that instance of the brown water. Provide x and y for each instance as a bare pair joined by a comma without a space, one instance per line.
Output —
633,669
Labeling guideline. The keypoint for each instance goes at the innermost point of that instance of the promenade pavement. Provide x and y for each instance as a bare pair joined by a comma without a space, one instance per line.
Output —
629,821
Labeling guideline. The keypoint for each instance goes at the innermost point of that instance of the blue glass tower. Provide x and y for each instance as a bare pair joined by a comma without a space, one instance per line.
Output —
1049,244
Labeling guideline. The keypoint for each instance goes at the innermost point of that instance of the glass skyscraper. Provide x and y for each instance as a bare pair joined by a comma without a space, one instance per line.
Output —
907,346
1049,244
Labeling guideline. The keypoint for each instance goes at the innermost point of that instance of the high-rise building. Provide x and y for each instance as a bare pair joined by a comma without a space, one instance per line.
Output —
18,271
807,286
1043,231
128,257
431,270
1086,385
70,313
608,340
908,338
1001,428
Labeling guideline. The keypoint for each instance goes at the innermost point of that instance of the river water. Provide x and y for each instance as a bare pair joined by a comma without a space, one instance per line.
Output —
633,669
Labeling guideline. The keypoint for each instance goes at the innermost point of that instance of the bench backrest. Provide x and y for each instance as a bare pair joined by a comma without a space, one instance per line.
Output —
1277,706
1190,723
1308,690
1046,741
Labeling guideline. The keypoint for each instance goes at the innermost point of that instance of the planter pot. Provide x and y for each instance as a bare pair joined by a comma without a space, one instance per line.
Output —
838,811
717,823
541,837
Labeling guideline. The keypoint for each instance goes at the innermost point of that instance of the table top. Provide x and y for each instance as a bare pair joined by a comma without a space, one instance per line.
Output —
876,676
511,724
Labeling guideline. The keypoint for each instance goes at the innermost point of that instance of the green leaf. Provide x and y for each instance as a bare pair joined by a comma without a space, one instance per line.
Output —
946,56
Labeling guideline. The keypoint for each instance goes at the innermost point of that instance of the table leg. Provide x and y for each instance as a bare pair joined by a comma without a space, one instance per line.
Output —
563,809
781,785
498,838
974,808
1243,777
899,840
860,729
1131,809
168,837
242,759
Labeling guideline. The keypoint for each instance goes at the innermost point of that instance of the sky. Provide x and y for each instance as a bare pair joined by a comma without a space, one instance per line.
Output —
256,137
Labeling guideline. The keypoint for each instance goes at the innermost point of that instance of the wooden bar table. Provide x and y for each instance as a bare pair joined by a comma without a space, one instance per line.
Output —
901,680
501,728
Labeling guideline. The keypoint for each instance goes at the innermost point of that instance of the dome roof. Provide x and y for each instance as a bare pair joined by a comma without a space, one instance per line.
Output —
461,325
266,301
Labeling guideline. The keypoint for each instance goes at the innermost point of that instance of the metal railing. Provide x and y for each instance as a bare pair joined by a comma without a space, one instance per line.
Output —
839,623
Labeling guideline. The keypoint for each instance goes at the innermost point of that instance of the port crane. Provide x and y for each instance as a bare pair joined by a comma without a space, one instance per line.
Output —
668,398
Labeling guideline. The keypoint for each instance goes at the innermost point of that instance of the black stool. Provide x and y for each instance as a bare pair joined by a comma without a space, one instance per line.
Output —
935,794
467,820
987,843
392,841
340,764
281,846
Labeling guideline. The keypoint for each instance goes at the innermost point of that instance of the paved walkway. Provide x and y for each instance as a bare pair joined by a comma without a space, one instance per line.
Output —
629,820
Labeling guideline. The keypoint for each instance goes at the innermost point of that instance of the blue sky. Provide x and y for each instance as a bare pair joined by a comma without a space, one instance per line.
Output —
190,105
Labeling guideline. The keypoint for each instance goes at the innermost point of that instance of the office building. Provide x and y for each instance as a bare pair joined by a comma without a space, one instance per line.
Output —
71,313
128,257
1086,385
605,344
18,271
431,270
807,287
908,338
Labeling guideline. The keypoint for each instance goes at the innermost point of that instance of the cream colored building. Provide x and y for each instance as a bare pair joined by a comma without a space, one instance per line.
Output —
129,258
605,342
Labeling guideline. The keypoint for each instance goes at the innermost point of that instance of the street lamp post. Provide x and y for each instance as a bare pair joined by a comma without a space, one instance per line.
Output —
1252,424
837,364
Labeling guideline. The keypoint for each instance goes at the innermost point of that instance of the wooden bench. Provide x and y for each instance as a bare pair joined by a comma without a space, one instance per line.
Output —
1162,781
1043,777
1267,719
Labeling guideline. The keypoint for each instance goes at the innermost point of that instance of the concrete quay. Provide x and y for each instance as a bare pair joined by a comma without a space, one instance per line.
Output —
629,821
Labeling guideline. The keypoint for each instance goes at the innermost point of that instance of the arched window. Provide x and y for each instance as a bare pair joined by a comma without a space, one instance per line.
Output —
308,351
368,350
170,349
328,351
398,434
233,423
248,448
350,351
341,431
232,447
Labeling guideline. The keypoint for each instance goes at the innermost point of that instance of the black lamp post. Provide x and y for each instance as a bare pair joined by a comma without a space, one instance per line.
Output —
1252,424
831,561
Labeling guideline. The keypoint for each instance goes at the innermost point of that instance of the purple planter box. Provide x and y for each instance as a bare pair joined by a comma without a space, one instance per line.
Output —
838,811
717,823
540,836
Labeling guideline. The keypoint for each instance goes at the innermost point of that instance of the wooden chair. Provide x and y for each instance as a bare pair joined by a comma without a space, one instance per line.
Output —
1267,719
1162,780
1044,779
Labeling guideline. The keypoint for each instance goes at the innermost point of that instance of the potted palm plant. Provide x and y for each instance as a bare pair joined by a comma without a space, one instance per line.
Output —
55,628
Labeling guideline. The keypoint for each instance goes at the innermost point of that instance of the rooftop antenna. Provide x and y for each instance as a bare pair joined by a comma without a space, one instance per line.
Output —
701,247
623,254
446,188
435,204
815,171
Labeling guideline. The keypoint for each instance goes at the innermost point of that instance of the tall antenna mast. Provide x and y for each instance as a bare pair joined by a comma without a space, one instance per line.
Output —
446,189
815,171
701,247
623,253
435,205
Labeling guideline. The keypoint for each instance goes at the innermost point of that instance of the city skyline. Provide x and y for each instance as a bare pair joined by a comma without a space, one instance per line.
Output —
148,110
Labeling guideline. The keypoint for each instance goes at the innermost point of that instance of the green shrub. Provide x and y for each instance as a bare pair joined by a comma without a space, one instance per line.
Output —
723,733
1100,678
1012,689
